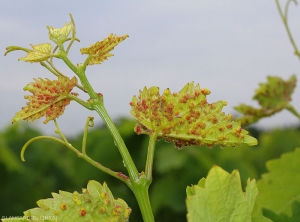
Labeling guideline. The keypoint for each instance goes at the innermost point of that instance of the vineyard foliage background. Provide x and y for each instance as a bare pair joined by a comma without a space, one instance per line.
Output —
50,167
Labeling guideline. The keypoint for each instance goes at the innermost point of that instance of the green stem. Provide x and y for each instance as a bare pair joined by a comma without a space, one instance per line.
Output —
142,196
293,110
79,154
89,123
150,156
138,184
131,168
285,22
80,101
64,57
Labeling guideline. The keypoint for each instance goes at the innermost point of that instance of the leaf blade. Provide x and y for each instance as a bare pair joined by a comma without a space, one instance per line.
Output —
186,118
49,99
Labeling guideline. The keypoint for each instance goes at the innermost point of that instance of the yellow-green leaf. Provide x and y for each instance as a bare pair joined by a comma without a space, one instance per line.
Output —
276,92
273,96
39,53
50,97
186,118
60,35
100,51
96,203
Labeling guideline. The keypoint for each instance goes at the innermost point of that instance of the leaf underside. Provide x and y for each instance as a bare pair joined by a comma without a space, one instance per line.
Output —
50,97
186,118
96,203
60,35
39,53
100,51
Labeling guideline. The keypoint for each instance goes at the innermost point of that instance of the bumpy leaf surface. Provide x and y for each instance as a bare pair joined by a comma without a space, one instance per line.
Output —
50,97
220,197
100,51
186,118
39,53
96,203
60,35
280,187
275,92
273,96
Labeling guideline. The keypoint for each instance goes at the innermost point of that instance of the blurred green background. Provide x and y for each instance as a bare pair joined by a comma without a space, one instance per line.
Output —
50,167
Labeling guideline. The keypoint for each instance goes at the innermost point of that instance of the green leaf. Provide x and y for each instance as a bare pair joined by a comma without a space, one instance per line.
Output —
220,197
283,217
273,96
280,187
100,51
59,36
50,97
39,53
186,118
276,92
96,203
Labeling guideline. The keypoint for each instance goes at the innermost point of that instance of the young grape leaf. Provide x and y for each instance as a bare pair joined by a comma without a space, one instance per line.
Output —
60,35
100,51
280,187
186,118
50,97
283,217
39,53
273,96
96,203
220,197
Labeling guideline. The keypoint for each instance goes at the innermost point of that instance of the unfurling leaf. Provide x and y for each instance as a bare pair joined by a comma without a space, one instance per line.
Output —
96,203
273,96
60,35
39,53
50,97
186,118
220,197
99,51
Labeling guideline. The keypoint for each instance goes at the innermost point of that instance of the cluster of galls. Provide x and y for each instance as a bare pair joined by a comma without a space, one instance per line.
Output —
93,205
100,50
185,118
49,99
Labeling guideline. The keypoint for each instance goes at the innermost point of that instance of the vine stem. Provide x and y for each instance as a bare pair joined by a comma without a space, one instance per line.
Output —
150,156
79,154
139,183
142,196
285,22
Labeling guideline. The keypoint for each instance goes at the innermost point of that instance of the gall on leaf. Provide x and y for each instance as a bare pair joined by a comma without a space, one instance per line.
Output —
275,92
50,97
100,51
273,96
186,118
61,206
39,53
